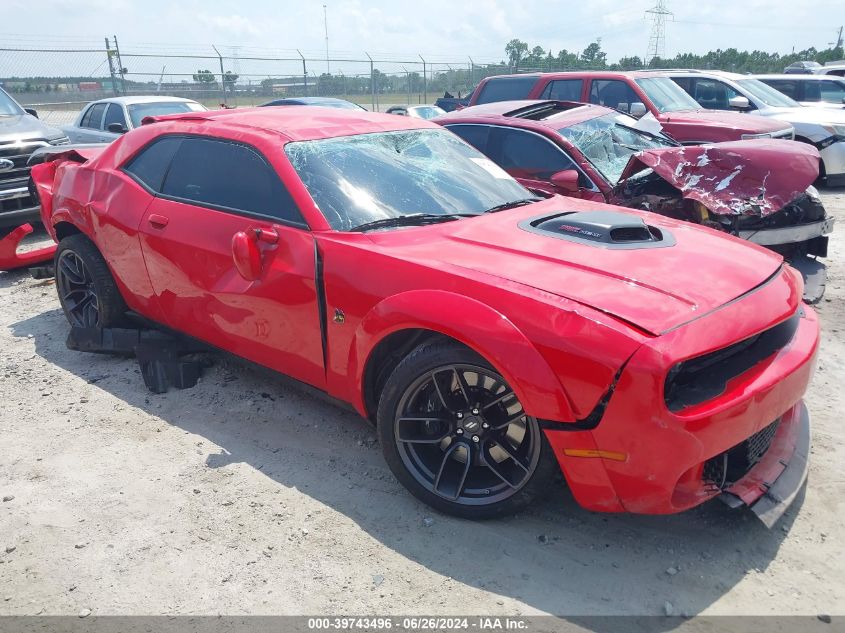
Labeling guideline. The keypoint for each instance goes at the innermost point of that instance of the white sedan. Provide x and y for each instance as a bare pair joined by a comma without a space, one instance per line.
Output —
105,120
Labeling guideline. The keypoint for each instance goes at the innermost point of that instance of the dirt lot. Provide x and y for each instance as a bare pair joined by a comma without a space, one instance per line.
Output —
248,496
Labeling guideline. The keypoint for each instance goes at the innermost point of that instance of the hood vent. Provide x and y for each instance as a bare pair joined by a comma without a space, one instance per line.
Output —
604,229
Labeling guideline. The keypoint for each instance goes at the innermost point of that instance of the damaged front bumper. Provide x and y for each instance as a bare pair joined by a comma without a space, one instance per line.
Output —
774,483
777,236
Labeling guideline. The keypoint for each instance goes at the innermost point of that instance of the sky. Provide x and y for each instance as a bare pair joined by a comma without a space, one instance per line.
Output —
440,30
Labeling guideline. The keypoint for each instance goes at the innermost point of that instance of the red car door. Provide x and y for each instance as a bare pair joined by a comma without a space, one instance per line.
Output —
214,190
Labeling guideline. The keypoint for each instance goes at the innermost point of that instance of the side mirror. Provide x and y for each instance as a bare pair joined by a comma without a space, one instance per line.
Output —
246,255
739,103
566,181
637,109
116,128
31,111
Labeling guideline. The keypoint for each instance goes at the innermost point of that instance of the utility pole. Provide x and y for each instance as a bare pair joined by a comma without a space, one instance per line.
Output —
839,38
326,27
120,67
657,39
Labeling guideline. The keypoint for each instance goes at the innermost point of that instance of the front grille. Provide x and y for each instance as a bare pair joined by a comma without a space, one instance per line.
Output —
705,377
18,176
788,134
726,468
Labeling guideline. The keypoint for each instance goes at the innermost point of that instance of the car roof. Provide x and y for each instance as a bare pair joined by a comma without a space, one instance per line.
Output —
795,77
143,99
300,124
521,113
632,74
699,73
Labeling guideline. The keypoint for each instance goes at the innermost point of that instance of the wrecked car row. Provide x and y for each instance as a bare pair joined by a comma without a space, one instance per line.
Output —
758,190
495,338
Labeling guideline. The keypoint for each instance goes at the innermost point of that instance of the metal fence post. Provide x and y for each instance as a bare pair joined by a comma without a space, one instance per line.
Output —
120,69
304,72
372,82
111,68
425,83
222,74
471,71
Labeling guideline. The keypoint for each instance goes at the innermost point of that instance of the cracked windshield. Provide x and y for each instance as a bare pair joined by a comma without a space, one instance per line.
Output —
608,144
355,180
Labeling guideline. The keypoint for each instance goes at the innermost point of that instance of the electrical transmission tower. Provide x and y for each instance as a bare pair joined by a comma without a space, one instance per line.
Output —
657,39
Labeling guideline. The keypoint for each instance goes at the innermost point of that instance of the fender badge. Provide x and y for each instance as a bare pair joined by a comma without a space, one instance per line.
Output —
339,317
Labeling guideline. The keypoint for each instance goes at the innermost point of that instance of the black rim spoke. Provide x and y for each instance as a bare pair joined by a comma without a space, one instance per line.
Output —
413,430
452,475
464,436
76,289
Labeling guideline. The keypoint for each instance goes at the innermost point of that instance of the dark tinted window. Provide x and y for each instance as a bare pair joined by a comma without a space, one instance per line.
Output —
526,155
713,94
787,87
475,135
114,115
228,175
613,94
506,89
563,90
151,164
94,116
831,91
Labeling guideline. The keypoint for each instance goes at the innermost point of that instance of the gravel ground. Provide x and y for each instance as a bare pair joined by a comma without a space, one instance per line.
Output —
246,495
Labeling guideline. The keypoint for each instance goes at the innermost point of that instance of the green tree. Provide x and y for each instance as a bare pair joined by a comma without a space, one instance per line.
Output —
515,50
593,56
204,77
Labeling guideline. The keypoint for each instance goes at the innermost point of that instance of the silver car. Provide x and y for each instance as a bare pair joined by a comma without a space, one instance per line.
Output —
105,120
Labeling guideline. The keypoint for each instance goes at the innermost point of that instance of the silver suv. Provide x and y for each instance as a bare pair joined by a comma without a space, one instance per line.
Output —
21,133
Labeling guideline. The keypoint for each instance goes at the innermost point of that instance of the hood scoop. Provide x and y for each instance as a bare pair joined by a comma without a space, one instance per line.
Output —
603,229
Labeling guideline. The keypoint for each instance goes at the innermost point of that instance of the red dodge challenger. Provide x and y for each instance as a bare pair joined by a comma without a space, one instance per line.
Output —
492,337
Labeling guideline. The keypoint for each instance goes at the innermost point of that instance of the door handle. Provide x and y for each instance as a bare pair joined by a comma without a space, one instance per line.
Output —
158,221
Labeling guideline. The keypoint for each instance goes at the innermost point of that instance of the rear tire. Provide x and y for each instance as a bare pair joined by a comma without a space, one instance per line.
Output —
455,435
87,290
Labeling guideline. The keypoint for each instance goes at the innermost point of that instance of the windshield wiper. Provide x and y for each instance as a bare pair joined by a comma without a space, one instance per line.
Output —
512,204
416,219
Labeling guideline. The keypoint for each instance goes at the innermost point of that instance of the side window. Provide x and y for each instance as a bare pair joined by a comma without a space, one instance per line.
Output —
832,91
563,90
713,94
475,135
686,84
527,155
506,89
114,114
94,116
787,87
229,175
151,164
613,94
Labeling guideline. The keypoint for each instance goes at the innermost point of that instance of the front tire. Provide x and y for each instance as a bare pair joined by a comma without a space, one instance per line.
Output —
87,290
455,435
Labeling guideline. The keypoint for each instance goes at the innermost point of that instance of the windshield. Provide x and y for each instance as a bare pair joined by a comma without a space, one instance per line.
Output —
8,105
767,94
358,179
138,111
426,112
609,144
666,95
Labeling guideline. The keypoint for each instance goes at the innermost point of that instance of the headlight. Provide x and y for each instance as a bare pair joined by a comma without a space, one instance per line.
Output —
813,193
746,137
62,140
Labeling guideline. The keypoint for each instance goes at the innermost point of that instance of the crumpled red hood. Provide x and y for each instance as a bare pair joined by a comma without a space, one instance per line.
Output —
754,177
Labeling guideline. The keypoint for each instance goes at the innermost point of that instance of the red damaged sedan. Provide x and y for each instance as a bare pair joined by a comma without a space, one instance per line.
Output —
494,339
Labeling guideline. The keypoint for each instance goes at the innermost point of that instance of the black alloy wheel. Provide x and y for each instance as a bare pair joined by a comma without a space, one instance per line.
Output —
461,435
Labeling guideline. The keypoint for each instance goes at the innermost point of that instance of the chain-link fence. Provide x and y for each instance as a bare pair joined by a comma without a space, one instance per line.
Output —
59,81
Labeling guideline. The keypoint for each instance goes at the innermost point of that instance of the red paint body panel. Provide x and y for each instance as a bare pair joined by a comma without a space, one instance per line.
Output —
759,177
11,259
568,325
691,126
